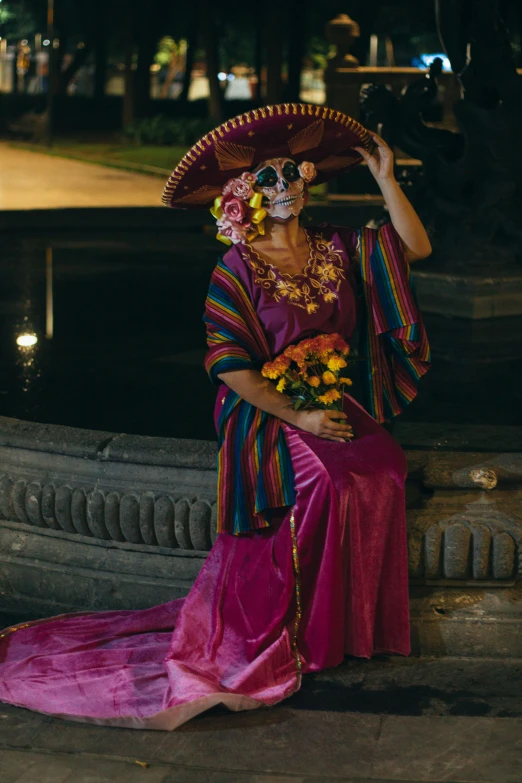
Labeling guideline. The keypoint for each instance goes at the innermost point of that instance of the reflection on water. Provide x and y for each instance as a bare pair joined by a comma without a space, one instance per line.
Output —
105,332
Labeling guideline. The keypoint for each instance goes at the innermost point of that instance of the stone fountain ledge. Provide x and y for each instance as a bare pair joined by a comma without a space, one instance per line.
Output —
99,520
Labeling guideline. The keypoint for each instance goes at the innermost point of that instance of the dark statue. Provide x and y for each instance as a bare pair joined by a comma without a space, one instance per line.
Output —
469,190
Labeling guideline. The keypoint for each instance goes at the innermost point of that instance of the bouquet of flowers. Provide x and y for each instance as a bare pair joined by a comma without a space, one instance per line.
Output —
309,372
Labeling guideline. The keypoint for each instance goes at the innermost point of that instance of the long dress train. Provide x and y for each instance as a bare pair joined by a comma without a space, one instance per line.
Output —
237,638
327,578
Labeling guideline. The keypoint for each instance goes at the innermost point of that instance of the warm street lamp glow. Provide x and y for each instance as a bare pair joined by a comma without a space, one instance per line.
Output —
26,340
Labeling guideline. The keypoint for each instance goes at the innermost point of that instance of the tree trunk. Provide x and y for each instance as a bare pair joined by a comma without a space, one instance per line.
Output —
100,53
129,99
192,42
210,43
100,65
259,63
146,52
274,55
365,19
296,39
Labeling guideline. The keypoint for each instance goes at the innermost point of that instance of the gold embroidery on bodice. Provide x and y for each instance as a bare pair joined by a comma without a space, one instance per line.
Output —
302,289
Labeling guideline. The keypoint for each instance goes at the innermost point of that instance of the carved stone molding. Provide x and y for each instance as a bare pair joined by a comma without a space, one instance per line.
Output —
138,518
463,548
161,492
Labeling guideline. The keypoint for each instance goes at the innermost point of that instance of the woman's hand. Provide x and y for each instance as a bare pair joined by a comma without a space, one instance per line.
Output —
380,161
403,216
319,422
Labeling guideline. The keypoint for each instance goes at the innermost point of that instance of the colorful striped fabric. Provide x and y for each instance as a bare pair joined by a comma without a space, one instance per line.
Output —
255,473
393,340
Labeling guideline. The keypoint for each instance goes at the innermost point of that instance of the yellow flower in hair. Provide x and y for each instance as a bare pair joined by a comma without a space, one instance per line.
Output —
336,362
328,377
314,380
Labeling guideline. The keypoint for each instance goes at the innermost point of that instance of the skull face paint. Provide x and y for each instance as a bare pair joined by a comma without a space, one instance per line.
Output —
282,186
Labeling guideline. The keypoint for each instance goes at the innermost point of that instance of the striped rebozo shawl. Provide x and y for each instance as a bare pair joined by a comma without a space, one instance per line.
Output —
392,338
255,473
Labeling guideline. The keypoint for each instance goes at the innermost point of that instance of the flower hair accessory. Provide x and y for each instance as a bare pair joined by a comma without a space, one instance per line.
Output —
308,171
238,211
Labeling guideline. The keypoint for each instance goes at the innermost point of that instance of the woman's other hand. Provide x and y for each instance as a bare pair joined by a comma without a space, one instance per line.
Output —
321,423
380,161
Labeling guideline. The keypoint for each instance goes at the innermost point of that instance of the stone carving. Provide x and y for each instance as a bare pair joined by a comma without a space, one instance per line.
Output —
487,479
160,493
465,550
137,518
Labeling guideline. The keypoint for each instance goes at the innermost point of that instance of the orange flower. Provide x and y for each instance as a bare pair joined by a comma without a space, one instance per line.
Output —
282,363
276,368
341,345
347,381
313,380
289,351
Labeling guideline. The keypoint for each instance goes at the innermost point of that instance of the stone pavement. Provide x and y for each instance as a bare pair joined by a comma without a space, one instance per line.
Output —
32,180
389,720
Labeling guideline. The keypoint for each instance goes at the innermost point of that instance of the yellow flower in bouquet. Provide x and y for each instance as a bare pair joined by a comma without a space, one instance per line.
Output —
309,372
328,377
336,363
329,396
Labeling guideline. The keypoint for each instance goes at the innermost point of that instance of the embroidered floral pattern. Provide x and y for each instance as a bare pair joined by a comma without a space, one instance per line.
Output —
323,270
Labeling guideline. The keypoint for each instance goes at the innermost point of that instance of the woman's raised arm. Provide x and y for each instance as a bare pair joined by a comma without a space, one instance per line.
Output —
404,218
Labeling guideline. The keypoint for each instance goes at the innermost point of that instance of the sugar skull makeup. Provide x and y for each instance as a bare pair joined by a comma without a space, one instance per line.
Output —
282,183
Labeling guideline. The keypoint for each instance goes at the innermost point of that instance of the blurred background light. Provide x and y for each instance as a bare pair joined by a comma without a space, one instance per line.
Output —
26,340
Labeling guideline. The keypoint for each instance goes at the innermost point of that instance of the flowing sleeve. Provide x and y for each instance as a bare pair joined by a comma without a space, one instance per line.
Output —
392,339
234,337
255,472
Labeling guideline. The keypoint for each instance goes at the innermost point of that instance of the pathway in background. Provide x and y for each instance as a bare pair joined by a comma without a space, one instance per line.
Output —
32,180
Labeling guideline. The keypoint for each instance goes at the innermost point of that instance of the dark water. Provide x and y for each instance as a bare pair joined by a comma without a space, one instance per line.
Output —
128,341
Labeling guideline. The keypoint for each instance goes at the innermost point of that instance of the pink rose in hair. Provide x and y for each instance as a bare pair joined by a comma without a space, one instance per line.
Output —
227,187
239,188
235,232
307,171
234,208
242,189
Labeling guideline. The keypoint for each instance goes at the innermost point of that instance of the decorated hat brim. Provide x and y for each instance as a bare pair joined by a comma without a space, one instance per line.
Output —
325,137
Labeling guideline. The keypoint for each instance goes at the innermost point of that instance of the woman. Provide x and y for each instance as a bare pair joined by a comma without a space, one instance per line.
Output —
311,560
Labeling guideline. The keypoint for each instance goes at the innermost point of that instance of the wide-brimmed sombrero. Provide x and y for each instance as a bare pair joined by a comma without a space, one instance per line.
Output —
301,131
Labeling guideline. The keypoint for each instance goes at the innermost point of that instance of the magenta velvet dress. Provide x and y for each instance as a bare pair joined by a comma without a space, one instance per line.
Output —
261,611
